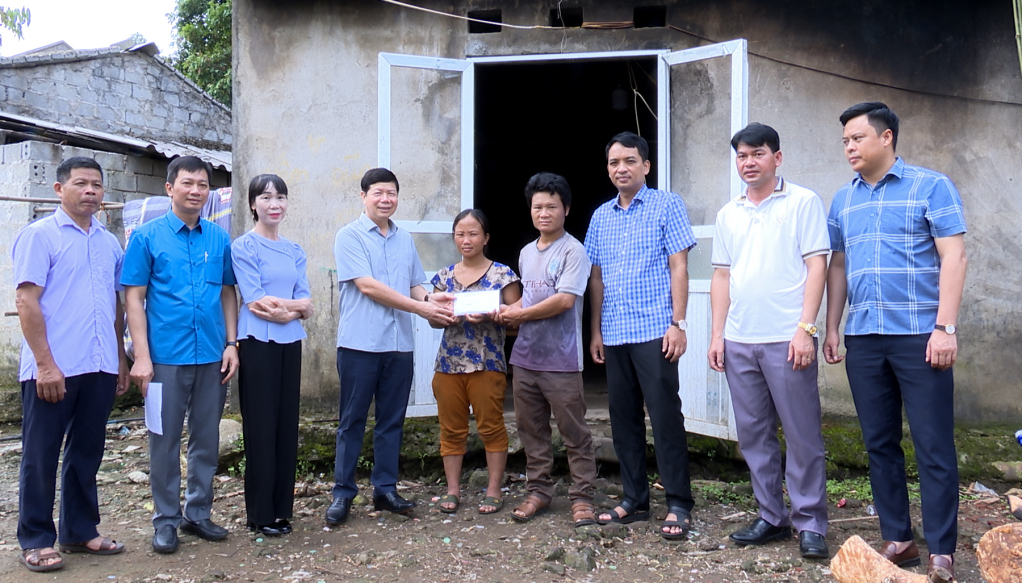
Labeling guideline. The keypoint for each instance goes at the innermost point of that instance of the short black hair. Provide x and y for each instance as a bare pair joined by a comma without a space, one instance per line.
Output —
188,164
377,175
756,135
629,140
258,186
548,182
65,168
475,214
878,115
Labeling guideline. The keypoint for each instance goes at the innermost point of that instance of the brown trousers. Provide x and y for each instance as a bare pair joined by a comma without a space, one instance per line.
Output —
537,394
484,390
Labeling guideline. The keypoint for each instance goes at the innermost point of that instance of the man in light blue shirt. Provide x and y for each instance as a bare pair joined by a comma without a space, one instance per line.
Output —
380,281
638,243
183,316
898,236
72,365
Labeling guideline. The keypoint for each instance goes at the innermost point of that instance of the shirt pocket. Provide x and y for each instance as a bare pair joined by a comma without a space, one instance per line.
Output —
215,269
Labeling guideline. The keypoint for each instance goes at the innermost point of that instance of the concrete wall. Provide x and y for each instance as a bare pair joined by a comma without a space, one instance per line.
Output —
126,93
307,71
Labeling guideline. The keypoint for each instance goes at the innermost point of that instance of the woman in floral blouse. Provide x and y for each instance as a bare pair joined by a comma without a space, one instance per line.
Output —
470,367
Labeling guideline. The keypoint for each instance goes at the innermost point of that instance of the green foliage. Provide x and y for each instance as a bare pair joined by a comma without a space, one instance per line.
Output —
858,488
13,19
203,31
725,493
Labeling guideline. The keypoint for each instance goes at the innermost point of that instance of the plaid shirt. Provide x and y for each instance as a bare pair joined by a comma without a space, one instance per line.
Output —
887,234
631,246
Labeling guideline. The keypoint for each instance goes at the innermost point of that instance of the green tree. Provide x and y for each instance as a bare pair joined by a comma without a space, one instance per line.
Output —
203,31
13,19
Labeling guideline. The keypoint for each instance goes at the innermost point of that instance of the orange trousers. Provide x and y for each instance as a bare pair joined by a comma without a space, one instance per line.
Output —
484,391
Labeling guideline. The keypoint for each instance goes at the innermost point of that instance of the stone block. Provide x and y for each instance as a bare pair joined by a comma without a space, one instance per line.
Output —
151,185
125,181
45,86
196,117
39,190
134,76
43,152
171,99
134,119
140,165
157,123
141,93
36,101
15,80
110,162
107,114
181,115
120,88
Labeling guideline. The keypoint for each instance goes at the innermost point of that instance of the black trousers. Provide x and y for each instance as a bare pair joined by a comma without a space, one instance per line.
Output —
269,387
80,416
638,373
886,372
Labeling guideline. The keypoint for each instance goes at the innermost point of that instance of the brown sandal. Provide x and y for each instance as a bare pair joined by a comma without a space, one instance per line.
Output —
583,514
33,559
530,508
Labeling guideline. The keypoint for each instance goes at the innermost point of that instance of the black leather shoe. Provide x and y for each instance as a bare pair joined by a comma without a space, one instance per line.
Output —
393,502
760,532
812,545
205,529
337,513
165,539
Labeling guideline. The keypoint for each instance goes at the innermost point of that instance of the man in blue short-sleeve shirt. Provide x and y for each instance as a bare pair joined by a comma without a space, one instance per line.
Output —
898,236
183,316
638,243
379,279
72,365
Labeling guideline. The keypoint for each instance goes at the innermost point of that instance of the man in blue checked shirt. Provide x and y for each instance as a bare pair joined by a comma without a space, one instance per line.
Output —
638,243
898,237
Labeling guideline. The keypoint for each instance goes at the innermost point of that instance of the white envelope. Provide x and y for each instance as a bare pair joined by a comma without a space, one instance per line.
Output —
154,408
477,302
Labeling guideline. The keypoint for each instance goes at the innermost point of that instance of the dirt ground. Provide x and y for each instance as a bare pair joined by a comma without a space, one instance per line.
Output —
431,546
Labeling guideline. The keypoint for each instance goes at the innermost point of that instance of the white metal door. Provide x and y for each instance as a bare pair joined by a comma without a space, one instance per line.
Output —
705,398
427,340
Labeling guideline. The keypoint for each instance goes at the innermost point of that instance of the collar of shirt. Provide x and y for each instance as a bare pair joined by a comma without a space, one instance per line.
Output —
63,220
637,198
780,190
896,171
176,224
369,225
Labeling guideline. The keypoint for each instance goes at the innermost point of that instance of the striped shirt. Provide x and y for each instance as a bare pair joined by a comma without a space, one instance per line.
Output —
631,246
887,234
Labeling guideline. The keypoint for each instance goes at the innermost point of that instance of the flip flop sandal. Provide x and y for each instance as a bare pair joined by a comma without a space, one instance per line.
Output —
493,501
531,508
631,514
448,499
583,514
106,547
683,521
32,559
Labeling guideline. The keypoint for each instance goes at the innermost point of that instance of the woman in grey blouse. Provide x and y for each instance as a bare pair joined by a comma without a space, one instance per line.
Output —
275,295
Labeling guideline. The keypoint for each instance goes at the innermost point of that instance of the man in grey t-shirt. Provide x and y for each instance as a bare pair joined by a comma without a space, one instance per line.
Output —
547,357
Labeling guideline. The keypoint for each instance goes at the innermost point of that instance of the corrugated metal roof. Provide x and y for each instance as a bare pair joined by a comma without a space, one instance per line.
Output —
96,140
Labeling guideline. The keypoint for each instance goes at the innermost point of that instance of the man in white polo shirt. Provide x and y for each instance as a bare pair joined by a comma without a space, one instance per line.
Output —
770,262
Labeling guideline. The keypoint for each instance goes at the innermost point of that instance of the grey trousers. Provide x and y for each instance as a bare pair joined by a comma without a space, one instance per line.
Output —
194,390
763,389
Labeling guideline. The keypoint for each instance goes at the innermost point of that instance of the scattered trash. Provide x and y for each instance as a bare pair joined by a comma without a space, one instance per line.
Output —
124,431
977,488
1018,436
841,503
871,510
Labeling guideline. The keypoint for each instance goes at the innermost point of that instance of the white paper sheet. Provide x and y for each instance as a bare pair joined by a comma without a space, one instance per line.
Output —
154,408
477,302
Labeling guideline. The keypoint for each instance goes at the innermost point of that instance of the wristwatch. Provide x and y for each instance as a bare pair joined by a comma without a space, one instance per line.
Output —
231,343
810,328
680,325
947,328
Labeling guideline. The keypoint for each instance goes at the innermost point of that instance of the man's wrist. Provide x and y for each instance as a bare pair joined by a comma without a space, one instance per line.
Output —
229,343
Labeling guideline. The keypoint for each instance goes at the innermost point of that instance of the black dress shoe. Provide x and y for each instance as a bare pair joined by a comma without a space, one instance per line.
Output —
283,526
393,502
337,513
205,529
812,545
760,532
165,539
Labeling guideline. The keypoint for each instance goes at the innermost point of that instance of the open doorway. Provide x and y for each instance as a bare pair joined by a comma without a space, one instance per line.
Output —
556,116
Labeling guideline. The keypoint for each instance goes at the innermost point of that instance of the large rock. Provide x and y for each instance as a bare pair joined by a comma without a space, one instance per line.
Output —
1000,554
232,448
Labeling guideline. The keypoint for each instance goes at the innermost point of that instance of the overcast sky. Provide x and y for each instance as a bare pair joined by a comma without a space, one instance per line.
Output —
90,24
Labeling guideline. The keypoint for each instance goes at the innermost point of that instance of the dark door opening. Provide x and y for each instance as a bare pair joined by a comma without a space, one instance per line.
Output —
556,117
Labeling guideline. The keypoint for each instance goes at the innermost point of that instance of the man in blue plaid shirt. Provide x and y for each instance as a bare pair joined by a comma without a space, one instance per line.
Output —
898,236
638,243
